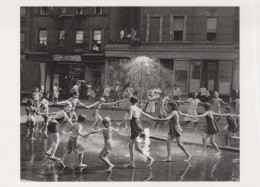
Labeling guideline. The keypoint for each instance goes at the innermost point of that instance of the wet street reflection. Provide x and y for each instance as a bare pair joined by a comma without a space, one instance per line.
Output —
34,164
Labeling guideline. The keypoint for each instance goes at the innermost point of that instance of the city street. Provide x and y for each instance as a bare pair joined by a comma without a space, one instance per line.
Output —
34,167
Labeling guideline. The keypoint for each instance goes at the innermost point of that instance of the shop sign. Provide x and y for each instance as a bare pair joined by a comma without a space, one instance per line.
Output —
67,58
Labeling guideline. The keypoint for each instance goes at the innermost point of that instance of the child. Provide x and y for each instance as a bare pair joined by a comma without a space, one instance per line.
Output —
137,132
216,105
74,100
211,129
175,131
74,145
36,97
45,105
97,107
107,134
192,110
162,103
232,125
30,121
54,127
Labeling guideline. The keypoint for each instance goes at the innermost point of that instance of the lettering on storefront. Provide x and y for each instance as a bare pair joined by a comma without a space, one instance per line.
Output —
67,58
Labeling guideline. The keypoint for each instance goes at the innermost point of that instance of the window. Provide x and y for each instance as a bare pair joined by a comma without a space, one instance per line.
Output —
23,11
79,11
97,40
43,37
63,10
43,11
98,10
211,29
154,30
178,26
22,39
79,39
61,34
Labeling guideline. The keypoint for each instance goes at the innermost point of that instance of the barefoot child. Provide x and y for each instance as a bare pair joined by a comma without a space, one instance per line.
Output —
232,125
97,107
137,132
107,134
162,113
30,120
211,129
45,106
216,105
74,145
175,131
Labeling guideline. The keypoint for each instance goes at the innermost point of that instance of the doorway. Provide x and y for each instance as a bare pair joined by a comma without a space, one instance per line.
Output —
210,77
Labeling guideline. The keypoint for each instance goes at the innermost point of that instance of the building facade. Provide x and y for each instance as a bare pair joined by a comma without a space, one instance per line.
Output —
199,45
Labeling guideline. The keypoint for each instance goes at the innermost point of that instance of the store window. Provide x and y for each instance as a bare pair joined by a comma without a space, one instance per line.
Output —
181,74
79,39
44,11
98,10
225,75
211,29
178,27
23,11
97,40
43,37
195,76
79,11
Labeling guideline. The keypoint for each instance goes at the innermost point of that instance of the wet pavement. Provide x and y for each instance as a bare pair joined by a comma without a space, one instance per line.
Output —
200,168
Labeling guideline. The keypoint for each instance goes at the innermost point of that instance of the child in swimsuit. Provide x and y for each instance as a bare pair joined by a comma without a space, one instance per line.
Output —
45,106
97,107
232,124
211,129
30,120
74,145
107,134
216,105
175,131
137,132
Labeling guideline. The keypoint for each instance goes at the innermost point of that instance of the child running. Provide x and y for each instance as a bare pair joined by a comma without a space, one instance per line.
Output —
54,127
175,131
45,106
192,110
30,120
232,125
107,134
74,100
216,105
74,145
137,132
97,107
211,129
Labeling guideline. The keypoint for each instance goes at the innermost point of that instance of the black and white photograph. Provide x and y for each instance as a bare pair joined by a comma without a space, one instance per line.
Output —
130,94
108,93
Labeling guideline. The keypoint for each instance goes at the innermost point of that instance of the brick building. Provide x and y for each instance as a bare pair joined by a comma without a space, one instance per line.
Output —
199,45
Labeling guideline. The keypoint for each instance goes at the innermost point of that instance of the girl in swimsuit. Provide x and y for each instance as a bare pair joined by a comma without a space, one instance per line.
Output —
97,107
107,134
74,100
53,128
175,131
211,129
30,120
45,106
137,132
74,145
232,124
216,105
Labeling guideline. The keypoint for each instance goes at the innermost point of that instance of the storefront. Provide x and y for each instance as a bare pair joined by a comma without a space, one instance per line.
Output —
67,69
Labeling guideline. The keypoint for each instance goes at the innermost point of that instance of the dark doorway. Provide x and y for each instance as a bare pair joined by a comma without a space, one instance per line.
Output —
210,75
